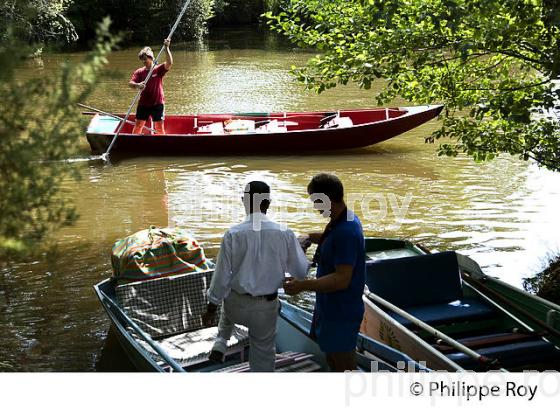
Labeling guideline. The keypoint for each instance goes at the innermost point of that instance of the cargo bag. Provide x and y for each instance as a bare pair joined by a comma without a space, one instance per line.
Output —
155,253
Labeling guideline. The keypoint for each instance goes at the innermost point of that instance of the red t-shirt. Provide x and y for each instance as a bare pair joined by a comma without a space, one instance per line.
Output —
153,93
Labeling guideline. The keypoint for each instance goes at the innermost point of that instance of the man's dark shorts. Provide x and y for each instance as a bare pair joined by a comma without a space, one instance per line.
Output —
155,111
335,337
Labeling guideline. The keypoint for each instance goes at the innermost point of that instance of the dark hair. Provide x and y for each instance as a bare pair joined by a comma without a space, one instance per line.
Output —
327,184
262,190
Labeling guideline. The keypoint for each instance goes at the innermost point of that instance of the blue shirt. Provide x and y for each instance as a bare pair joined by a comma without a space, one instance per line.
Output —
343,245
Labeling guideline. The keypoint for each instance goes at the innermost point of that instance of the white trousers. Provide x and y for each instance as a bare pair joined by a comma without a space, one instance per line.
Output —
259,316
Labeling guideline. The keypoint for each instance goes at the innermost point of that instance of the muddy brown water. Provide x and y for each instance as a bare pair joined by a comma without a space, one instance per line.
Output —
502,213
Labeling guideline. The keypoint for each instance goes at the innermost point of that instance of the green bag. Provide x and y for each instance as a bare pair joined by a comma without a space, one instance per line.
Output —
155,253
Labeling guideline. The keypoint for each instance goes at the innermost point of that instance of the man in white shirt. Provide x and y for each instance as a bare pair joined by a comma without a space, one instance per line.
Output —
253,260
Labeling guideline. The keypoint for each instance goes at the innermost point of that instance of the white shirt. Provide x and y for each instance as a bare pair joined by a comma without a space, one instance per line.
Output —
254,258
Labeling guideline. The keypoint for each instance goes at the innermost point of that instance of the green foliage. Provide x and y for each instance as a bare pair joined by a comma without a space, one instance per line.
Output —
194,23
546,284
230,12
36,21
38,132
273,6
493,63
142,20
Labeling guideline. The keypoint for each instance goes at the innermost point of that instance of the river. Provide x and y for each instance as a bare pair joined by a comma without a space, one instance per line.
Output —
502,213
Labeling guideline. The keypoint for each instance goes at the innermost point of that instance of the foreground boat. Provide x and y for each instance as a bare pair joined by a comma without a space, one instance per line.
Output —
540,314
441,309
269,133
158,323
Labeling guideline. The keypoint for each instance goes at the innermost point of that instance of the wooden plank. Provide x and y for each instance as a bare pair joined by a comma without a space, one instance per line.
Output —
286,359
491,340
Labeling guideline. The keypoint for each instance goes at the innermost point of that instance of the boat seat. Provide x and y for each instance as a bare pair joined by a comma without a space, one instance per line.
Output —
339,122
428,287
194,347
416,280
214,128
274,126
466,309
511,355
170,310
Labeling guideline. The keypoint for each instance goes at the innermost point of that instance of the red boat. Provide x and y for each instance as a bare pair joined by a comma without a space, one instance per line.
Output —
268,133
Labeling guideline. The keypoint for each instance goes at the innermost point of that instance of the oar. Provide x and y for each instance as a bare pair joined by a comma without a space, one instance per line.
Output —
486,361
466,264
87,107
106,154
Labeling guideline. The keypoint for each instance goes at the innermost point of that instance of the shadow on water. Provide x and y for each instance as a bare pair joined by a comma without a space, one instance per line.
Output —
113,357
118,157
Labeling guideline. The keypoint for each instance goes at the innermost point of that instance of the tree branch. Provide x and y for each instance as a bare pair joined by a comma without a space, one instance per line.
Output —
508,89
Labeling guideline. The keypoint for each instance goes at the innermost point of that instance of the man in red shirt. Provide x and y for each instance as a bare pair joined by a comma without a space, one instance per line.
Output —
152,99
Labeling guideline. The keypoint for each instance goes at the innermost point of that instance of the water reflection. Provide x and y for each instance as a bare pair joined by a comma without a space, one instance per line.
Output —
502,213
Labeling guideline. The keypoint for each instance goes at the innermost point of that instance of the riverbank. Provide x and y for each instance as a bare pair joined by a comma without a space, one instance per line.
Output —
546,284
202,18
71,25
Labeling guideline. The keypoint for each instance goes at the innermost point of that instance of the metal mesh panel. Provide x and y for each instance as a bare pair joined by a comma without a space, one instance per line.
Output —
166,306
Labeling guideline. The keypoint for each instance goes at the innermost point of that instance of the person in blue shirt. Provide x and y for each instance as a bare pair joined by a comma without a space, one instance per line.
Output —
340,278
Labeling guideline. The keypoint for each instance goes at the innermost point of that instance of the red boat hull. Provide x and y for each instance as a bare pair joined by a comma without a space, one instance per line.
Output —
301,135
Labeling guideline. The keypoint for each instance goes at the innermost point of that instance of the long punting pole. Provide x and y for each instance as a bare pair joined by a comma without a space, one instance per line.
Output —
137,96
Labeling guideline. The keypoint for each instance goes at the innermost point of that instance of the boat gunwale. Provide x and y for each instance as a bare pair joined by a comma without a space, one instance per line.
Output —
410,111
132,343
518,291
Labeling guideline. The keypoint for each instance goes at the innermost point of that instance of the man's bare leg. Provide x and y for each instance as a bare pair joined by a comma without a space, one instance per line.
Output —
138,127
158,126
342,361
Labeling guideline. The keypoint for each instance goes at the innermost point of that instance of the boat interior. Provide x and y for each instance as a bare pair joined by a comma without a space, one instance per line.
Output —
165,314
384,248
168,312
247,123
430,288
